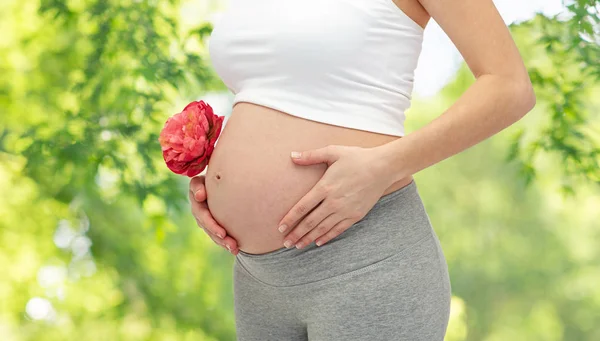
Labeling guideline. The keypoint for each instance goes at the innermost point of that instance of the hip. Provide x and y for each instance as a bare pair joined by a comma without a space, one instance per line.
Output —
396,230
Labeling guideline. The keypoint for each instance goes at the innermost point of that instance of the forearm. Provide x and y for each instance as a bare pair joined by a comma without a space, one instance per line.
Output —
491,104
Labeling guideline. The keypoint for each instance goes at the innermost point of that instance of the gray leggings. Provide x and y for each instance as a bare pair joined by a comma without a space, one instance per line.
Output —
384,278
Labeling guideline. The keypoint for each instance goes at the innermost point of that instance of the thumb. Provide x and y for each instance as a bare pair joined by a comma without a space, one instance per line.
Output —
326,155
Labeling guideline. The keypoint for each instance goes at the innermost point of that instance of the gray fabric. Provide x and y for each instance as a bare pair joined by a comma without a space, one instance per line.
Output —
385,278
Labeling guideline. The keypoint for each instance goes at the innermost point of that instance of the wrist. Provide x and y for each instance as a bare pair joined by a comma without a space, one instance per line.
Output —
387,165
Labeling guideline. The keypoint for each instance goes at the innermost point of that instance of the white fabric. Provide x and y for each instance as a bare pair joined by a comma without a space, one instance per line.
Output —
348,63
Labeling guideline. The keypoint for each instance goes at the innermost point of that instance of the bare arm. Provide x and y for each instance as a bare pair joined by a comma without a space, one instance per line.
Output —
500,96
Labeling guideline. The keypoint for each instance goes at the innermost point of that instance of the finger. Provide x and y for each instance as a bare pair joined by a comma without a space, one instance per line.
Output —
203,217
214,238
335,231
233,247
303,207
320,230
198,193
197,188
311,221
227,243
328,155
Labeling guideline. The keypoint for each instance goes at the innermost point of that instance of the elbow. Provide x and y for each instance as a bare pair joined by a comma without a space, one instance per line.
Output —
529,97
524,96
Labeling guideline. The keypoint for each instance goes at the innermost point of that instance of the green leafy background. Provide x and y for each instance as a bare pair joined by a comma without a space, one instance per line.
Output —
96,238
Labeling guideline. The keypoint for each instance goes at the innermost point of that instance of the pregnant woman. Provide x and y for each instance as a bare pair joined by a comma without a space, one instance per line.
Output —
332,79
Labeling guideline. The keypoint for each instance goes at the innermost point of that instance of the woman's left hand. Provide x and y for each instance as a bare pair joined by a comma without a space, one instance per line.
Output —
352,184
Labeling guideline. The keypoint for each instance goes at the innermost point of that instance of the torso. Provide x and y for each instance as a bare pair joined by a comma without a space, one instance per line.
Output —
252,183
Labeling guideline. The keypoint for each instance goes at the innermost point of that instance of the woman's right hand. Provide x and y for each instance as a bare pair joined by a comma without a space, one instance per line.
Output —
204,218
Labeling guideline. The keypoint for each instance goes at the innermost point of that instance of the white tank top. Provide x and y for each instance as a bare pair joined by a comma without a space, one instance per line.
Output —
348,63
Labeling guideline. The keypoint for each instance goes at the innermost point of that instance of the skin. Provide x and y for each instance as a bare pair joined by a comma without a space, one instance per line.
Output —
356,177
205,220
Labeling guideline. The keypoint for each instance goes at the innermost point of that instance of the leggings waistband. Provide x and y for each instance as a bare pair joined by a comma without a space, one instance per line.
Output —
397,221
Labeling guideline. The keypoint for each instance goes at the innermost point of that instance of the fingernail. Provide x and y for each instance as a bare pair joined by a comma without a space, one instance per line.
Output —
220,236
295,155
319,243
282,228
228,248
288,243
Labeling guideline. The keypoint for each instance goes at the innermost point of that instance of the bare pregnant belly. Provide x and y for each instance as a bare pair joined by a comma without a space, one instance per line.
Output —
251,182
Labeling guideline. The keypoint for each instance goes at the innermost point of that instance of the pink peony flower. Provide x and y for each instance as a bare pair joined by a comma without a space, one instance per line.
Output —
188,138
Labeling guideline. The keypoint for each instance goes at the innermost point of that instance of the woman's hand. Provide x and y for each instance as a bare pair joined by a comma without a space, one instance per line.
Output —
204,218
350,187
